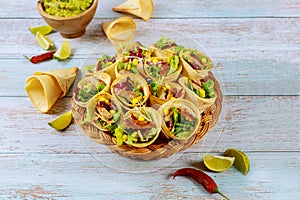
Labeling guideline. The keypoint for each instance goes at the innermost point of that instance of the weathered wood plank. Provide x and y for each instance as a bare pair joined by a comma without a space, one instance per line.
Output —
177,9
254,56
226,39
251,123
65,176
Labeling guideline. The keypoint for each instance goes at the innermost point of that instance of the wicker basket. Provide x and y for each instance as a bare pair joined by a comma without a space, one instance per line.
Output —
162,147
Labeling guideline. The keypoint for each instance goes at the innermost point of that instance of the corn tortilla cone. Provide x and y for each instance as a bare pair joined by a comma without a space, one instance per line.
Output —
93,115
93,79
189,109
152,115
201,103
173,86
138,81
120,31
139,8
64,77
44,88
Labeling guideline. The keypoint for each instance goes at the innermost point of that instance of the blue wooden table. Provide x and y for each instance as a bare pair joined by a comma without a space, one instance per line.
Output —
256,47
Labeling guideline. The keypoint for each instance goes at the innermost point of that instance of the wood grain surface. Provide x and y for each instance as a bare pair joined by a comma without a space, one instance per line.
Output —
255,46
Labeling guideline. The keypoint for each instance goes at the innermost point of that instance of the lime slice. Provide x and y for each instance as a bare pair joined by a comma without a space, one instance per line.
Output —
62,121
241,162
217,163
42,29
63,52
44,41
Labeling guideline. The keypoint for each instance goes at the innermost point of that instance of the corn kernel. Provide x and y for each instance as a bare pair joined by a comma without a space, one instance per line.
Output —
124,137
135,101
102,99
166,111
106,101
141,118
134,134
202,93
135,62
154,60
138,87
173,98
204,60
112,111
128,67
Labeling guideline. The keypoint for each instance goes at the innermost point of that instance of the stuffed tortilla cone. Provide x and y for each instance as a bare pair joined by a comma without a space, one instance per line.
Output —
44,88
163,68
88,87
166,47
196,65
104,112
181,119
105,63
131,90
139,127
200,93
163,92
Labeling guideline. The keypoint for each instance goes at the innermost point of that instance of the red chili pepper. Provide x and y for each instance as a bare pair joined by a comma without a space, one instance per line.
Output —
41,57
205,180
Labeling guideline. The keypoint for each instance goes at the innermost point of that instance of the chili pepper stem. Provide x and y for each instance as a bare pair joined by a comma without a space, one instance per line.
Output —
220,193
27,57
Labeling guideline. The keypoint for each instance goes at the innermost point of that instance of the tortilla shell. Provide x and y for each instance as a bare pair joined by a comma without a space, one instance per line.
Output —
44,88
202,103
191,109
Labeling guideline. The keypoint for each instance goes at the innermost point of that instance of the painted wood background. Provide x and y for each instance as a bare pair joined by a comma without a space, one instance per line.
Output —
256,48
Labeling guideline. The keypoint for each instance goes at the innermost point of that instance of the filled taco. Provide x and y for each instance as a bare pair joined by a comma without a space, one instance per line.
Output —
89,86
105,63
129,65
163,92
131,90
139,127
201,93
135,49
104,112
163,68
196,64
165,46
181,119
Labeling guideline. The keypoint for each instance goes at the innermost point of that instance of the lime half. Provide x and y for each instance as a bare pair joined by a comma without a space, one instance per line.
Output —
62,121
241,162
218,163
42,29
44,41
63,52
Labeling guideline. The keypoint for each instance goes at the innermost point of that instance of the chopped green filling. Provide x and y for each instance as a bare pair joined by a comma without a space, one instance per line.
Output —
155,88
89,90
174,62
181,126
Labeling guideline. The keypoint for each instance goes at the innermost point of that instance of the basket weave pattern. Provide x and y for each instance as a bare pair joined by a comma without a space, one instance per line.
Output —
162,148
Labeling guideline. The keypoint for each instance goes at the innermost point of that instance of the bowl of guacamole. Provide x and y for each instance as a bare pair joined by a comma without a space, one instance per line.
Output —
69,17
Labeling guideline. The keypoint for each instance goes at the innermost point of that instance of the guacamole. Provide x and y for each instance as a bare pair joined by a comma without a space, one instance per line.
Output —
66,8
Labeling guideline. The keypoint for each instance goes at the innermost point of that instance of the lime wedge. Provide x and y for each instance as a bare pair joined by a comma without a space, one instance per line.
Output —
42,29
62,121
63,52
44,41
241,162
217,163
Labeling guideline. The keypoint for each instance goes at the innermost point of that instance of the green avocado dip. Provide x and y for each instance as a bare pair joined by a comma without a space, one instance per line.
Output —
66,8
